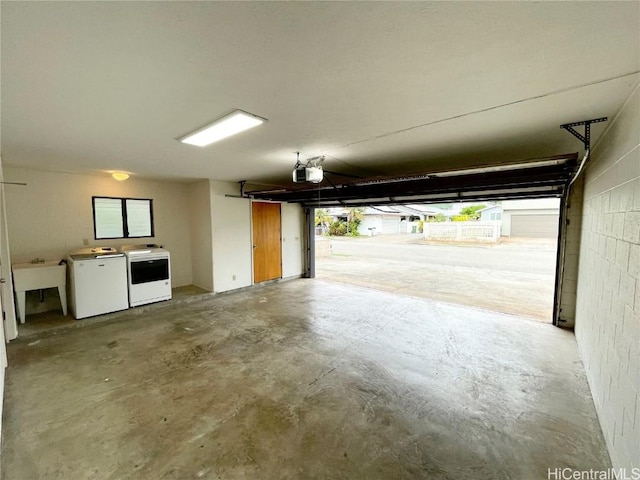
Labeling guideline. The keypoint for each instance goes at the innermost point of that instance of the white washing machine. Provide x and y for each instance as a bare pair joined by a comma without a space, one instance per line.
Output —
98,281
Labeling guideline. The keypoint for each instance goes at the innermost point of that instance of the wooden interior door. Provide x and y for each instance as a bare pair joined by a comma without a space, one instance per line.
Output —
267,241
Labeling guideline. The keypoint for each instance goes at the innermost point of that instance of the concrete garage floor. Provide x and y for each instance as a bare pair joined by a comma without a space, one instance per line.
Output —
515,276
301,379
48,322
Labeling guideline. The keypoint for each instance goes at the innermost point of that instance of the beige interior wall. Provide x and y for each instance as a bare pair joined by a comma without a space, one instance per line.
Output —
232,238
206,229
201,234
232,255
53,215
608,299
292,240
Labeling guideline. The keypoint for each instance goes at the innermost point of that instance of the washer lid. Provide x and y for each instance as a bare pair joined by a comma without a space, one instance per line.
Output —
95,252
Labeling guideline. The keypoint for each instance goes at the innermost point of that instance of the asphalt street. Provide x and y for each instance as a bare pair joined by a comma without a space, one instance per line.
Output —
515,276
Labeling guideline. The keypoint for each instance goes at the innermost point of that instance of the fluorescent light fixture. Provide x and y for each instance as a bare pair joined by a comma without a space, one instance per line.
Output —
120,176
226,126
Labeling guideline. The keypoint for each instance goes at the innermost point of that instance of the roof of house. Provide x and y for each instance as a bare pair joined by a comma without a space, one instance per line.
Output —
491,207
433,210
375,210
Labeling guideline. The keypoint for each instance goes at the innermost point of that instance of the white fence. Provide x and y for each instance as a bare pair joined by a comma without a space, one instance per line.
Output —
323,246
462,231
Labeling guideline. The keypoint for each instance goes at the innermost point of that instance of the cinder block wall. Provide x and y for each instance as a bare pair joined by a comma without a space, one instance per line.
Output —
608,293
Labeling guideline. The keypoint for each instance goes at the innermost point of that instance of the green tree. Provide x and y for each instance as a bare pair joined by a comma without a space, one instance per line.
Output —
472,211
323,218
337,228
355,215
462,218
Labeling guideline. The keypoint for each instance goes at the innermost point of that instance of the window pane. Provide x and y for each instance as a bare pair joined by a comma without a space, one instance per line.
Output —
108,217
139,218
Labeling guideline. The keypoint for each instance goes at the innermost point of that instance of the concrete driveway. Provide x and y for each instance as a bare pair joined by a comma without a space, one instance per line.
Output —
515,276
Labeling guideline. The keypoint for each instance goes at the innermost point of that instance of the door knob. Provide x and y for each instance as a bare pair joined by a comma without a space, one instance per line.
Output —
255,246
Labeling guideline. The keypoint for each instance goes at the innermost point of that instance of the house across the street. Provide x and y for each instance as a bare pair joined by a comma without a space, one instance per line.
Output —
491,214
536,218
381,219
392,219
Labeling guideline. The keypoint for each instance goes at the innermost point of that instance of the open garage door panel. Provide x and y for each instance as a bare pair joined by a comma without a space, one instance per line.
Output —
539,178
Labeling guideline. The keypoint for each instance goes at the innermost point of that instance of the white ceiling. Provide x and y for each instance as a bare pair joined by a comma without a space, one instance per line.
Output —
97,86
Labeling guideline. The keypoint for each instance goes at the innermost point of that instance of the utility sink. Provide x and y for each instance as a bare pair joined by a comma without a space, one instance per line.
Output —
34,276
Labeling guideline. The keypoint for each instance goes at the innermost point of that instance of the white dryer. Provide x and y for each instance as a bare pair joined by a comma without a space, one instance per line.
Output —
98,281
149,273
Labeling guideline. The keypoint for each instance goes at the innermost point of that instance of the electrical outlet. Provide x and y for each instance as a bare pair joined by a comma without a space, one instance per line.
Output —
85,241
234,278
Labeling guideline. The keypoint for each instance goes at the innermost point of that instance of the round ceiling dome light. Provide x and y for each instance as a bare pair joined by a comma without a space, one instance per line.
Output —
120,176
